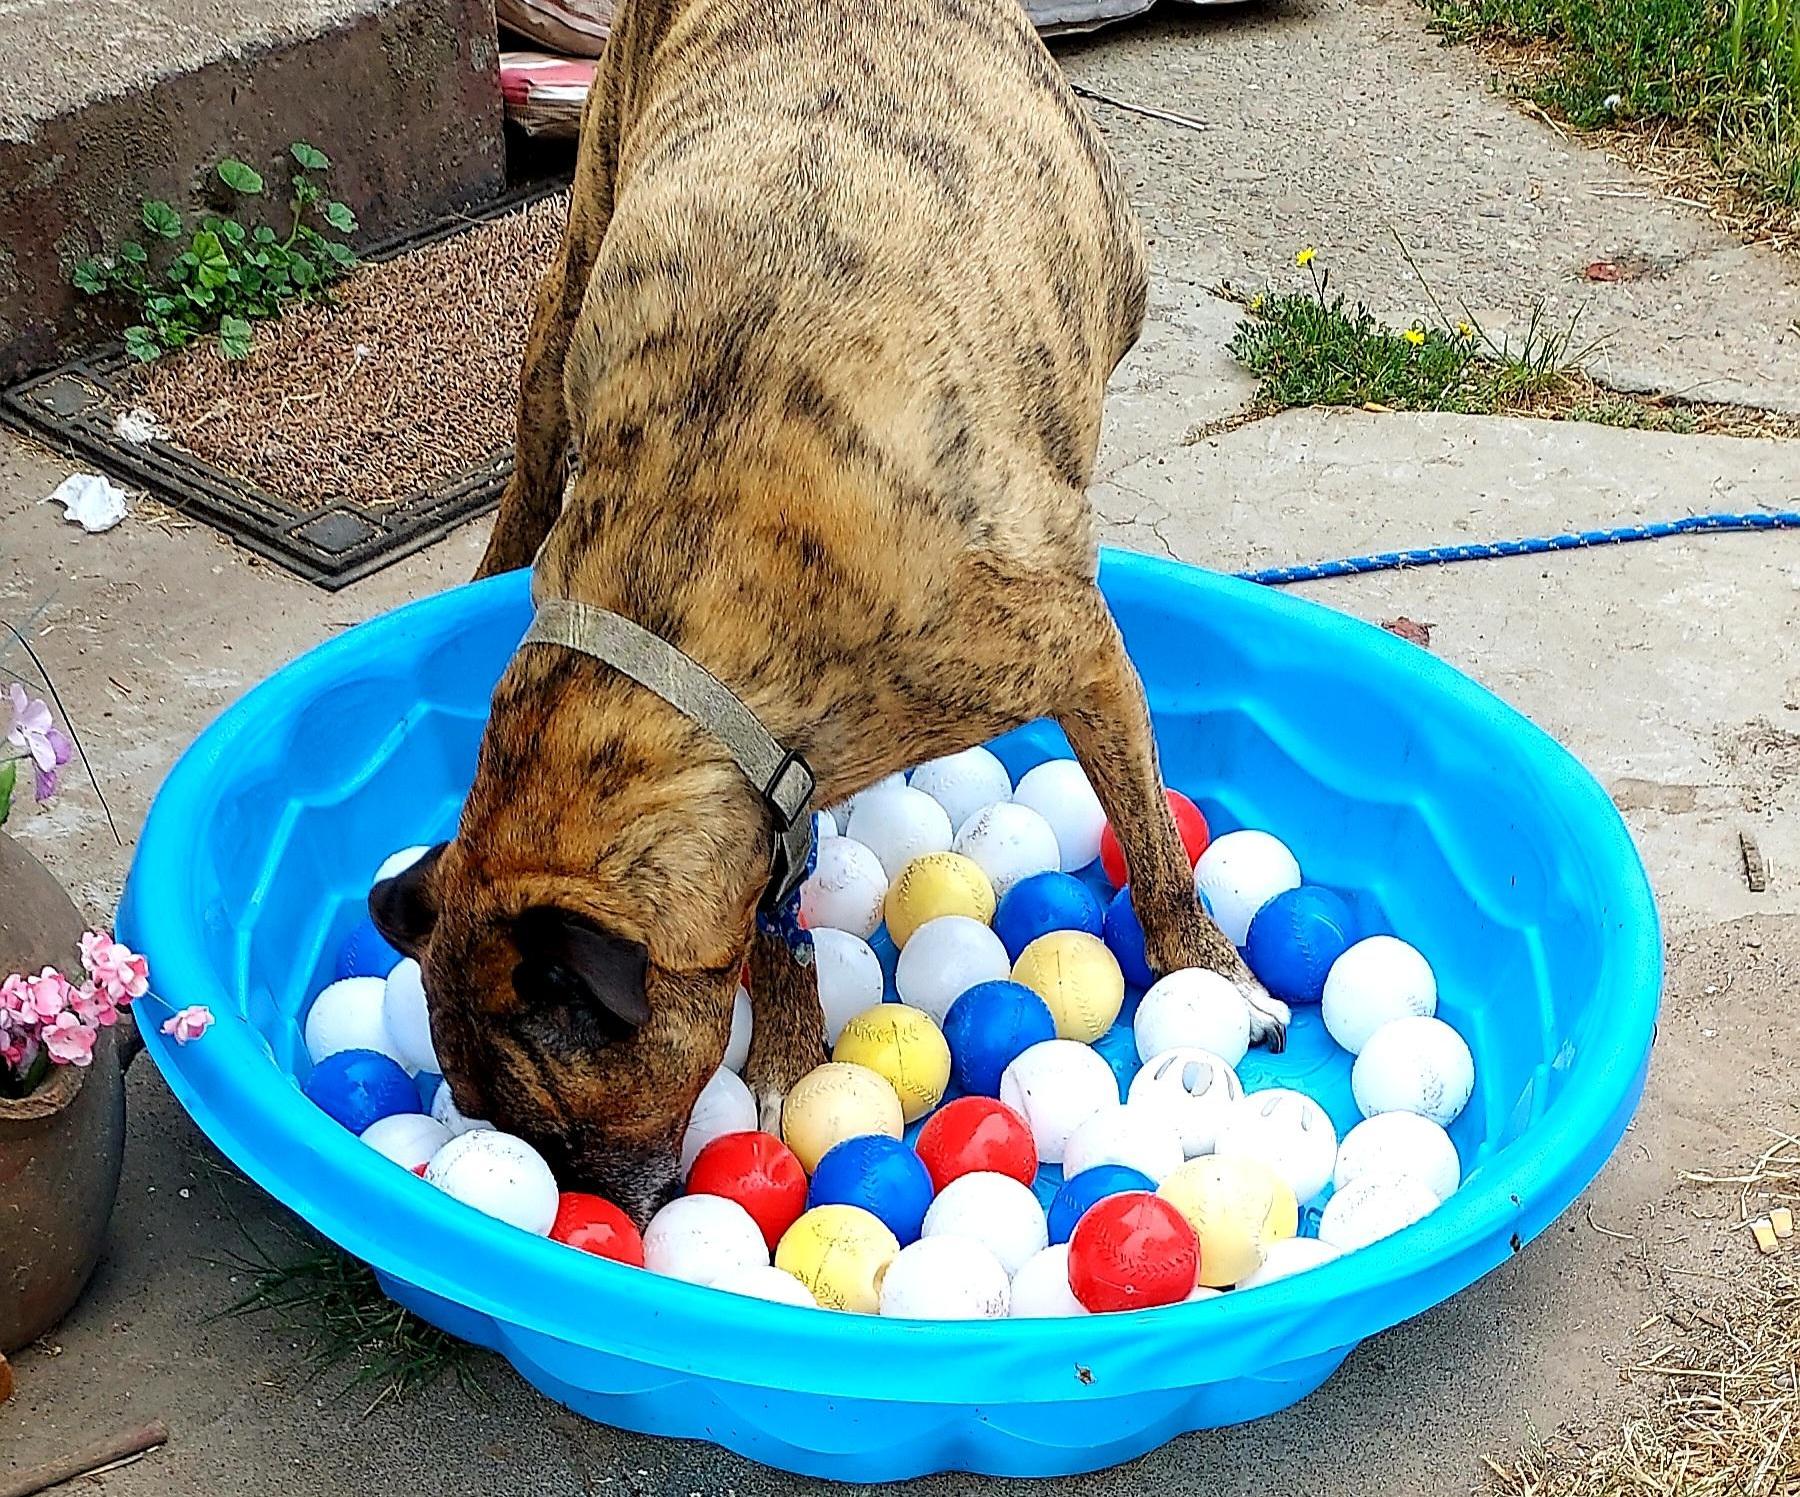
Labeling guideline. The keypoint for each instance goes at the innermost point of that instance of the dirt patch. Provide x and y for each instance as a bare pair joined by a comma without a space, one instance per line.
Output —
405,380
1708,1394
1765,760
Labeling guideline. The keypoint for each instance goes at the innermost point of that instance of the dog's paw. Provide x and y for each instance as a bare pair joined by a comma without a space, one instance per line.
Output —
773,1070
1269,1016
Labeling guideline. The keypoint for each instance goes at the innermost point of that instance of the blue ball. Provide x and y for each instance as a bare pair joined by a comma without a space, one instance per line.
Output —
1295,938
989,1027
880,1174
360,1087
366,953
1124,937
1045,902
1081,1191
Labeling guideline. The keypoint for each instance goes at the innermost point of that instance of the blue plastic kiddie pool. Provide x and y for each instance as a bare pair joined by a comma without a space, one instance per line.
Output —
1446,817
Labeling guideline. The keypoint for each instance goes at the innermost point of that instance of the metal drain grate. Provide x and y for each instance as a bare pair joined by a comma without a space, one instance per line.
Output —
332,544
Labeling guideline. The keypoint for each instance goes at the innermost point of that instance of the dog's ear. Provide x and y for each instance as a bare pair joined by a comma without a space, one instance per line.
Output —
590,981
405,908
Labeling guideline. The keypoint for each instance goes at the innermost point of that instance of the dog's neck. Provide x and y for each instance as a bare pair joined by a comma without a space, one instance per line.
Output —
595,795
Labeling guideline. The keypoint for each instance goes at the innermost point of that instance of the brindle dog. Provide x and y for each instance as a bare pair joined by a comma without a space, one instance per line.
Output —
813,392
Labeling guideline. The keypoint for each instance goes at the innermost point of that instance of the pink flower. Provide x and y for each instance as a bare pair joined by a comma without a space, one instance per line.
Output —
69,1040
189,1024
116,969
30,731
94,1005
45,996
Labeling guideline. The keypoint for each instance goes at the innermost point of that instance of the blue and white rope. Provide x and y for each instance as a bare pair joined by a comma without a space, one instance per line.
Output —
1426,556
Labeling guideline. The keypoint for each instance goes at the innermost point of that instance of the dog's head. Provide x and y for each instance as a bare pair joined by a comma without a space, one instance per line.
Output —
581,951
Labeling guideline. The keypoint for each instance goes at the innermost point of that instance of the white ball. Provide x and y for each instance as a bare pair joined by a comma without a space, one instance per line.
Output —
1374,1207
407,1138
1058,790
723,1106
845,889
1399,1143
396,863
841,812
1008,842
1377,979
1286,1256
499,1174
1140,1138
824,825
408,1018
1241,872
963,783
945,1278
1417,1065
766,1281
445,1110
1040,1290
899,825
850,977
1285,1130
1193,1009
1193,1088
995,1210
348,1015
737,1048
943,959
702,1238
1056,1086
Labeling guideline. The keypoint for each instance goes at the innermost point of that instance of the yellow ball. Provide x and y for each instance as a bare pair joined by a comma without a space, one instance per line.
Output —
1078,978
903,1046
1237,1206
840,1254
831,1103
940,883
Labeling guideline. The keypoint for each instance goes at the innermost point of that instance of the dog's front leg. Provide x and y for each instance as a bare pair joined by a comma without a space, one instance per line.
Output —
1109,729
787,1025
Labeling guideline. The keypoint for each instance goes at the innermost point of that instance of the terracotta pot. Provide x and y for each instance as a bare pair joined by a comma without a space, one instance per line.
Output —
60,1147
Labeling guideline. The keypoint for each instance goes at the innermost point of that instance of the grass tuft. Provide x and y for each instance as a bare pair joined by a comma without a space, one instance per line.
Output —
1314,348
337,1305
1728,70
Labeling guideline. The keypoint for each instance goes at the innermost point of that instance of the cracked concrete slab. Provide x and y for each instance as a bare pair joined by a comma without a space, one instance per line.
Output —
1327,121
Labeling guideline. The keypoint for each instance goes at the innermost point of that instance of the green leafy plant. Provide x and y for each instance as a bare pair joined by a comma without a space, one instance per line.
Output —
226,276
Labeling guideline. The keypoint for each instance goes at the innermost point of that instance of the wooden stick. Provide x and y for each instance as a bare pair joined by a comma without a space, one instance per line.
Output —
122,1446
6,1379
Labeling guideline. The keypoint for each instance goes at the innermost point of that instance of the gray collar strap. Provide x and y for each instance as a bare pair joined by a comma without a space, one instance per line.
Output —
781,777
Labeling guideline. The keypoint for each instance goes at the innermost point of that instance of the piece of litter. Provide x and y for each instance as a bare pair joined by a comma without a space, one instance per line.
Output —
1764,1232
139,427
90,501
1782,1220
1756,872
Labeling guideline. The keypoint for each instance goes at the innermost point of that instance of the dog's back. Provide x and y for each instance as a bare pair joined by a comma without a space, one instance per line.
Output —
866,272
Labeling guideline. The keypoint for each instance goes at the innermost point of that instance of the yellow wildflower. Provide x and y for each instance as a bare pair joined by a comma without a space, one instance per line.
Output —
1305,256
1256,303
1465,330
1414,336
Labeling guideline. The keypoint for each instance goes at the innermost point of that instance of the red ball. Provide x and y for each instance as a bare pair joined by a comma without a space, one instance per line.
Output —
420,1168
598,1227
976,1133
1189,822
1132,1251
759,1172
